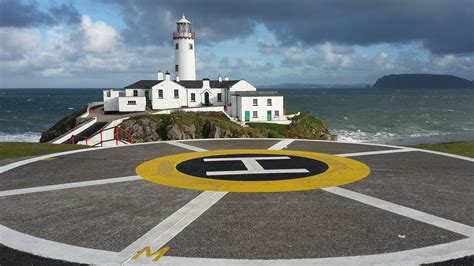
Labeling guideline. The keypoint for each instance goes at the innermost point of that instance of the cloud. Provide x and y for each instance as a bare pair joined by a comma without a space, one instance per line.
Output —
90,53
441,26
14,13
17,43
95,37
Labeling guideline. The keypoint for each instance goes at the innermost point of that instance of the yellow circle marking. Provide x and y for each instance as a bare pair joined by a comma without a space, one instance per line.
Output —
340,171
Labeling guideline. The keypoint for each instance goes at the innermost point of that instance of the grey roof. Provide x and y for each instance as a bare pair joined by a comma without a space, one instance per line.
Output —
256,93
213,83
143,84
147,84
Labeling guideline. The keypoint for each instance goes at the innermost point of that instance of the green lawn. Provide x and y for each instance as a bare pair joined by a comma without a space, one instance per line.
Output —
459,148
21,149
280,129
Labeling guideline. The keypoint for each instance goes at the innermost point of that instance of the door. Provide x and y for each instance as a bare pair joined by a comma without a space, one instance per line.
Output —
247,116
269,115
206,98
147,98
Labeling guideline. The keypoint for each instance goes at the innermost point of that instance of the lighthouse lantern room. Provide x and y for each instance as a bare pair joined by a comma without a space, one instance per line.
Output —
184,57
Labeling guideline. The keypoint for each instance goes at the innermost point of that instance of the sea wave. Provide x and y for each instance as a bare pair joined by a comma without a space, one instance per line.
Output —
359,136
20,137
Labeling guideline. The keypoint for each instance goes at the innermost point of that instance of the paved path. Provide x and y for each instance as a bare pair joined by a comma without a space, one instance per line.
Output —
90,206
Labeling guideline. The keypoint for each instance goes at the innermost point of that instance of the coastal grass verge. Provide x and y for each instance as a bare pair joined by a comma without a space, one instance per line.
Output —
463,148
20,149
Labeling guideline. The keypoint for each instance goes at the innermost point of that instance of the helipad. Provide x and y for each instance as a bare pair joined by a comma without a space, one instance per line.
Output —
241,201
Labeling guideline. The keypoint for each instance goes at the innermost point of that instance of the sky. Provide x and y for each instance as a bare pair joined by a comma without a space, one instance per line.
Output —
113,43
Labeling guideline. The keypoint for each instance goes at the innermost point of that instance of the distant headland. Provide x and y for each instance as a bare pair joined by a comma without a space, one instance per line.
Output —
422,81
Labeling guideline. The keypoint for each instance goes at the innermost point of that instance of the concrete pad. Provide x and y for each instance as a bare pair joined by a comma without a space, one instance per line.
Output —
307,224
108,217
85,166
333,147
229,144
435,184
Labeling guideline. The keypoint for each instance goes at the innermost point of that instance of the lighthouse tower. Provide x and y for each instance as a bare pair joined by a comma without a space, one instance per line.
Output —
184,56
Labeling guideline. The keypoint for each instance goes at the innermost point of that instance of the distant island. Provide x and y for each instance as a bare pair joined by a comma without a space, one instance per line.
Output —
314,86
422,81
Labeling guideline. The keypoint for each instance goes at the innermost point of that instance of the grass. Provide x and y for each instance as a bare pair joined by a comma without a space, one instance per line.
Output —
20,149
459,148
280,129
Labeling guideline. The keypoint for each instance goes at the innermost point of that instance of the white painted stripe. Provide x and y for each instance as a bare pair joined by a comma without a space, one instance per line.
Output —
246,158
173,225
56,250
443,223
185,146
375,152
69,185
436,253
246,172
281,144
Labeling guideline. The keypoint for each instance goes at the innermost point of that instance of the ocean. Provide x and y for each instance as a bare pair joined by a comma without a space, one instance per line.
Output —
355,115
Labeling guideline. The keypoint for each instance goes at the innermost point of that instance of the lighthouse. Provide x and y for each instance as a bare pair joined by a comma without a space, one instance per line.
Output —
184,55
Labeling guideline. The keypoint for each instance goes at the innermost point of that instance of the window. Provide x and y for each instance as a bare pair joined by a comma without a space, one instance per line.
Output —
176,46
255,114
135,93
132,103
269,102
255,102
176,68
193,97
190,46
176,94
160,94
219,97
277,113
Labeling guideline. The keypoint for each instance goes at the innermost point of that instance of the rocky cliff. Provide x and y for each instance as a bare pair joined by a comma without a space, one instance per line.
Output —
64,125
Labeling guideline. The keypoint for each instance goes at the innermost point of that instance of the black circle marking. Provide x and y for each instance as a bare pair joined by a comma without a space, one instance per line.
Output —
198,167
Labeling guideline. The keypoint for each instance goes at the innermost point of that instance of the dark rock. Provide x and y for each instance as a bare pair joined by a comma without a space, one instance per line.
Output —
64,125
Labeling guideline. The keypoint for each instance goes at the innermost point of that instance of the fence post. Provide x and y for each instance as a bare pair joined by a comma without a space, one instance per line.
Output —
72,140
116,135
101,142
131,139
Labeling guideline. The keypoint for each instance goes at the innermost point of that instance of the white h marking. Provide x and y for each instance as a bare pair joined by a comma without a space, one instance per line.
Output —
253,167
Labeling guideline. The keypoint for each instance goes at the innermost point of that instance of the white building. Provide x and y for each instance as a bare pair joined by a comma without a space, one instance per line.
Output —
238,98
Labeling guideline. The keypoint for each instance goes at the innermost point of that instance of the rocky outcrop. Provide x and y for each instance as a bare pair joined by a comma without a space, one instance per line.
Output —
64,125
177,126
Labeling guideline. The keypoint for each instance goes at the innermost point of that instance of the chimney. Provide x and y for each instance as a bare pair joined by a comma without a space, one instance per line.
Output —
226,78
177,78
219,78
167,75
206,83
160,75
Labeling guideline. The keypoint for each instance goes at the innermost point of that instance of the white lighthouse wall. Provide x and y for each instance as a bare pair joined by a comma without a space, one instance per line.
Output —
242,85
168,101
185,59
129,92
110,98
132,104
243,104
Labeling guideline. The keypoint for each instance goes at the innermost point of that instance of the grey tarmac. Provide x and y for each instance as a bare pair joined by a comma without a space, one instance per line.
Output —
312,227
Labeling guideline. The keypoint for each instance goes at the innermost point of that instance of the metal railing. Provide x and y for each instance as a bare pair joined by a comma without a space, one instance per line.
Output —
117,130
